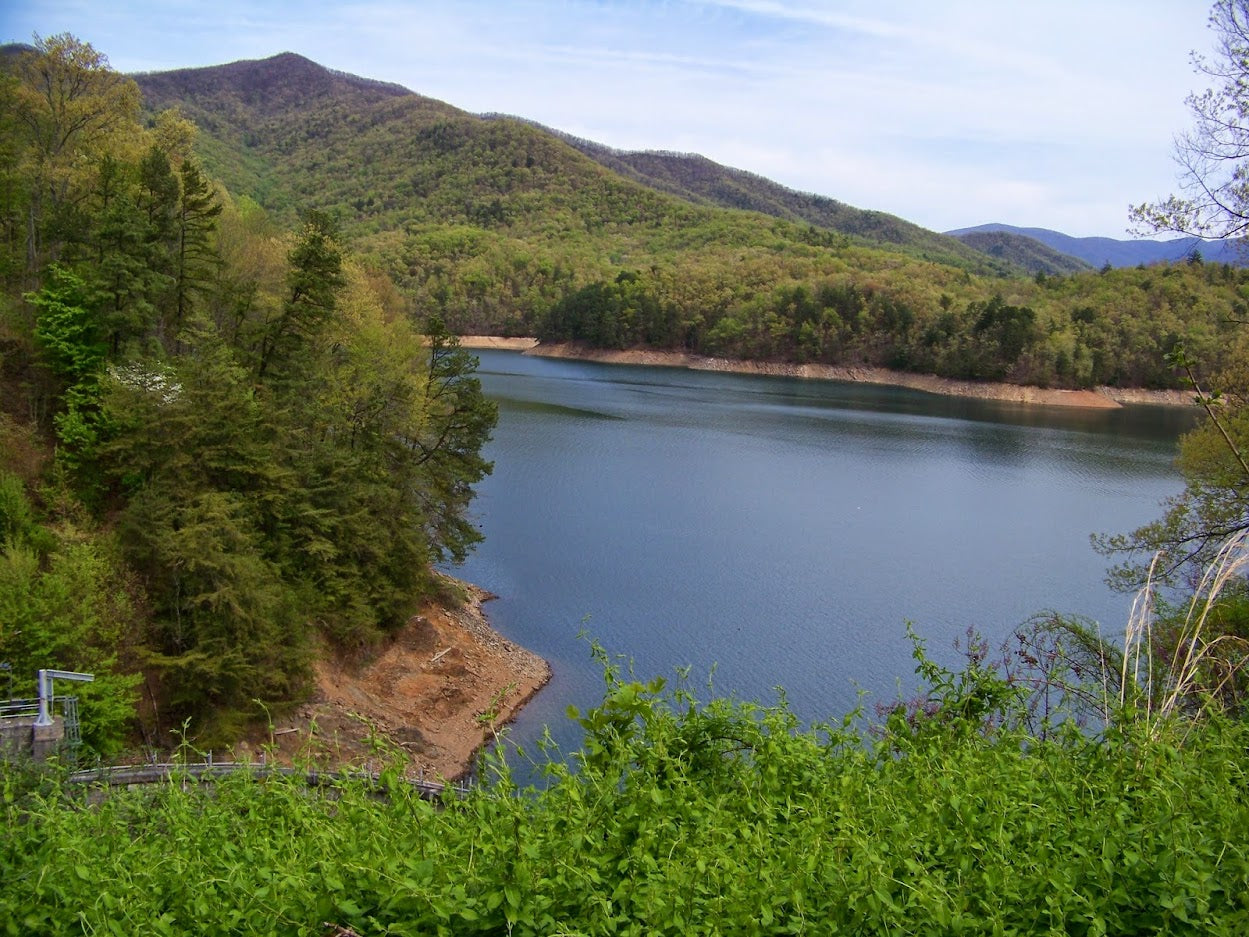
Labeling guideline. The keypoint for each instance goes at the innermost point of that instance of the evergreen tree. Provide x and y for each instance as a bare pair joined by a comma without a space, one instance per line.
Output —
159,199
127,272
458,421
195,258
315,276
191,450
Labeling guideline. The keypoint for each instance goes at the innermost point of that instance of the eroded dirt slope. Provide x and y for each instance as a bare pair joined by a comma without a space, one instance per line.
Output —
435,692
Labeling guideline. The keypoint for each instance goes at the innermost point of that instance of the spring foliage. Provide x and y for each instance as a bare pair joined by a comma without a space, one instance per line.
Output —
257,448
684,818
1213,157
500,227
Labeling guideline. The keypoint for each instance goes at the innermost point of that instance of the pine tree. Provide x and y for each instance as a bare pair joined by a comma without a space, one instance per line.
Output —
196,259
458,420
315,277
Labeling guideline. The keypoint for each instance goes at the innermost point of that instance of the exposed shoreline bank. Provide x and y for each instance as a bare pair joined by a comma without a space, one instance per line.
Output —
1098,398
436,693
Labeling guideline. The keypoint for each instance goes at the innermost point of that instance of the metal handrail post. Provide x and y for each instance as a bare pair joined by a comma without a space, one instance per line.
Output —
45,678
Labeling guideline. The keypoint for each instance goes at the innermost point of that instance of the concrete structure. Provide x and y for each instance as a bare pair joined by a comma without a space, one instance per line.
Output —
28,727
21,736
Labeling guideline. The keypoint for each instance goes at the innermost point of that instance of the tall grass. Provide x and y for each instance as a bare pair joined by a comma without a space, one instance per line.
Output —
1197,664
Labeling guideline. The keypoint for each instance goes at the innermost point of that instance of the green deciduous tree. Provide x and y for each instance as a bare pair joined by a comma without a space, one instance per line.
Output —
15,185
1198,643
71,108
1214,161
67,329
1214,505
67,602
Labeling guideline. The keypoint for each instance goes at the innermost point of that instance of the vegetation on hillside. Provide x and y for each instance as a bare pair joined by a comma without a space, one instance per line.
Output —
684,818
1023,251
702,181
1113,328
502,227
256,446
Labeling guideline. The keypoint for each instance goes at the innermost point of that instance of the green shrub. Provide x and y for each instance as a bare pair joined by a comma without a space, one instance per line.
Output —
682,818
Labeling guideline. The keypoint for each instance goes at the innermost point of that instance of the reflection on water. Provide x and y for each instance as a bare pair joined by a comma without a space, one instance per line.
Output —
781,532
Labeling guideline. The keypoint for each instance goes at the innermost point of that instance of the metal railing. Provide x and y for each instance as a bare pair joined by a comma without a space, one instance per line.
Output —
18,708
209,770
73,728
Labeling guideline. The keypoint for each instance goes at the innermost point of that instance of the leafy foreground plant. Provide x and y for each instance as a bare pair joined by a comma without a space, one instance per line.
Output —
679,818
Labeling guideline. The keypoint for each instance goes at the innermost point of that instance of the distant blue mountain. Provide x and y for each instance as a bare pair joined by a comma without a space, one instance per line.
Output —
1126,253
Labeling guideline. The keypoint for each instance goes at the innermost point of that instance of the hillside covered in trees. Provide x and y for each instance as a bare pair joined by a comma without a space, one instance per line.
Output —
1024,251
224,438
502,227
230,299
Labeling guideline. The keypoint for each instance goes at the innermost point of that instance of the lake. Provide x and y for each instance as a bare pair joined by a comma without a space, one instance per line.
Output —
773,532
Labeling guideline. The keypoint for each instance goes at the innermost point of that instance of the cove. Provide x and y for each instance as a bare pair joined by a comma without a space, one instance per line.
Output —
779,533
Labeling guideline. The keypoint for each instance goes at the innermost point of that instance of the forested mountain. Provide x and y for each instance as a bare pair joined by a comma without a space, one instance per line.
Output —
705,182
274,106
1098,252
1023,251
500,226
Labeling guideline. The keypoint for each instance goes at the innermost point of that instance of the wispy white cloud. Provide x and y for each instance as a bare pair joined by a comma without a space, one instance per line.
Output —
810,15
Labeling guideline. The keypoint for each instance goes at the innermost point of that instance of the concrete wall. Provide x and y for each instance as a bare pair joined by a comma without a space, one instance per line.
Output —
20,737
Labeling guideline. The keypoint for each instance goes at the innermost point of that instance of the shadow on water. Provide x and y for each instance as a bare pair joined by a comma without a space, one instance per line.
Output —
539,407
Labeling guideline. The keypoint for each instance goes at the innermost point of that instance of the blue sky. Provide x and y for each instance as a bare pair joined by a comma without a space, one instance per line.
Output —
1056,114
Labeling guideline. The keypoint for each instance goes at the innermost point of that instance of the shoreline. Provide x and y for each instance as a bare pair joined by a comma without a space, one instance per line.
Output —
1102,398
435,693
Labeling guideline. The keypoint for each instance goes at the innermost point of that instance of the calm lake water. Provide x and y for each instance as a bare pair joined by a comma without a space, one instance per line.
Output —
781,533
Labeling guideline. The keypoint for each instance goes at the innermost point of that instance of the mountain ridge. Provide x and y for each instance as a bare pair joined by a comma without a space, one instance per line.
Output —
295,75
491,225
701,180
1099,251
267,87
288,79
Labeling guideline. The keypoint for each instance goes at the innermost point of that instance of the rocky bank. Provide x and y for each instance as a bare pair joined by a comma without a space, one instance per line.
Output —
433,694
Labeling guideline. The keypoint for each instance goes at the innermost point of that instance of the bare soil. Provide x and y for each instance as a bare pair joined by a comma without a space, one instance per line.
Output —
434,694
